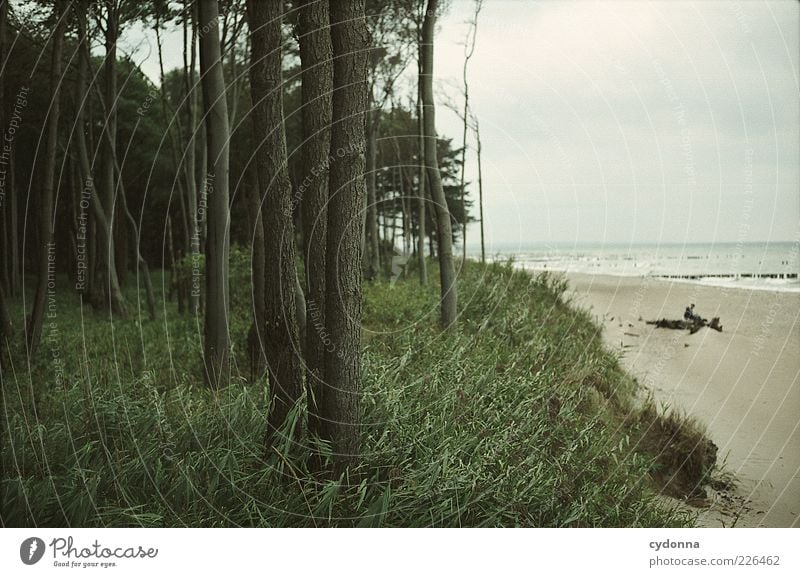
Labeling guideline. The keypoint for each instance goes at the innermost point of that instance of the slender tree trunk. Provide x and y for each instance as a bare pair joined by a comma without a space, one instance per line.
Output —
6,332
46,257
141,263
480,189
316,56
113,293
5,240
258,359
347,190
13,230
444,228
189,64
280,327
469,50
217,333
422,176
373,242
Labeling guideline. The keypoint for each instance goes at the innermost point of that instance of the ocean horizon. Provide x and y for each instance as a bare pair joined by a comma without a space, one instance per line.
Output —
748,265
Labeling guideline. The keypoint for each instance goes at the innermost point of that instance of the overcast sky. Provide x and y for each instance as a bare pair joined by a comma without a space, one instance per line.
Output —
623,122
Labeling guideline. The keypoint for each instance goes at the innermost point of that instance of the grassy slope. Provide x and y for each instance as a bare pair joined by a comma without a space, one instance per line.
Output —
519,418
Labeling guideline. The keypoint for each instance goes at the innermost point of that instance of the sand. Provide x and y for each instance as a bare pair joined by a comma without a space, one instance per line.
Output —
743,384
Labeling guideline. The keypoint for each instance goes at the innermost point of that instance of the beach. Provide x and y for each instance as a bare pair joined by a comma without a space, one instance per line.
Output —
742,384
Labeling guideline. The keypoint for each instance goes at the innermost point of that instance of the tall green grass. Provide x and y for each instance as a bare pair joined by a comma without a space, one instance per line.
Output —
519,418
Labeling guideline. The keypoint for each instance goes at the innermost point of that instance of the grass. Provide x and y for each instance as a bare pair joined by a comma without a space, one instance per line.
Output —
519,418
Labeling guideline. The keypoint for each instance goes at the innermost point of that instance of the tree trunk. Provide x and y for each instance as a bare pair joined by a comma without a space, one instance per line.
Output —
347,190
422,200
373,242
280,329
258,359
141,263
189,166
112,292
6,332
5,195
316,56
217,333
444,231
480,189
46,257
469,50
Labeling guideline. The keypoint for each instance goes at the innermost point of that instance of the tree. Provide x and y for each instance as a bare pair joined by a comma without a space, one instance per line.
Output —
217,333
469,50
316,54
46,256
279,327
422,201
476,128
108,284
347,190
388,58
444,234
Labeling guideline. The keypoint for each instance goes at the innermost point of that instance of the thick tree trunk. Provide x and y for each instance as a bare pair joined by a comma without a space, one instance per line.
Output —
347,190
316,56
46,256
444,228
280,328
217,332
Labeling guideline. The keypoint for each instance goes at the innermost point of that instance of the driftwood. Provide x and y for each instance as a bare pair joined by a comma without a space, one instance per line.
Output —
693,326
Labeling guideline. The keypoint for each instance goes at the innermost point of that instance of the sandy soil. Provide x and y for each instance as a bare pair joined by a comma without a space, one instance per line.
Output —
743,383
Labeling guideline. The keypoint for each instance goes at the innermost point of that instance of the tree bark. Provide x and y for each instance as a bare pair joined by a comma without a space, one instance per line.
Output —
46,257
373,242
258,359
217,332
316,56
480,189
280,328
5,238
112,294
444,234
191,128
422,200
347,190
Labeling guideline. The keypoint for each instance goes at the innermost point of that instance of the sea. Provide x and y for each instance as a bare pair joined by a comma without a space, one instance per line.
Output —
772,266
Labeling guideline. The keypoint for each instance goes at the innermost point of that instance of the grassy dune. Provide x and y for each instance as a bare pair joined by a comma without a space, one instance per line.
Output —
518,418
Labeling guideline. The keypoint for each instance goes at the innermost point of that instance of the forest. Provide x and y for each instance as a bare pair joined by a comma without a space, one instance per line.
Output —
238,294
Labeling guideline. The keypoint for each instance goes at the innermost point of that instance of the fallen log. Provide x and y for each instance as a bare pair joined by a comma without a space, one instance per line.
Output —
693,326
